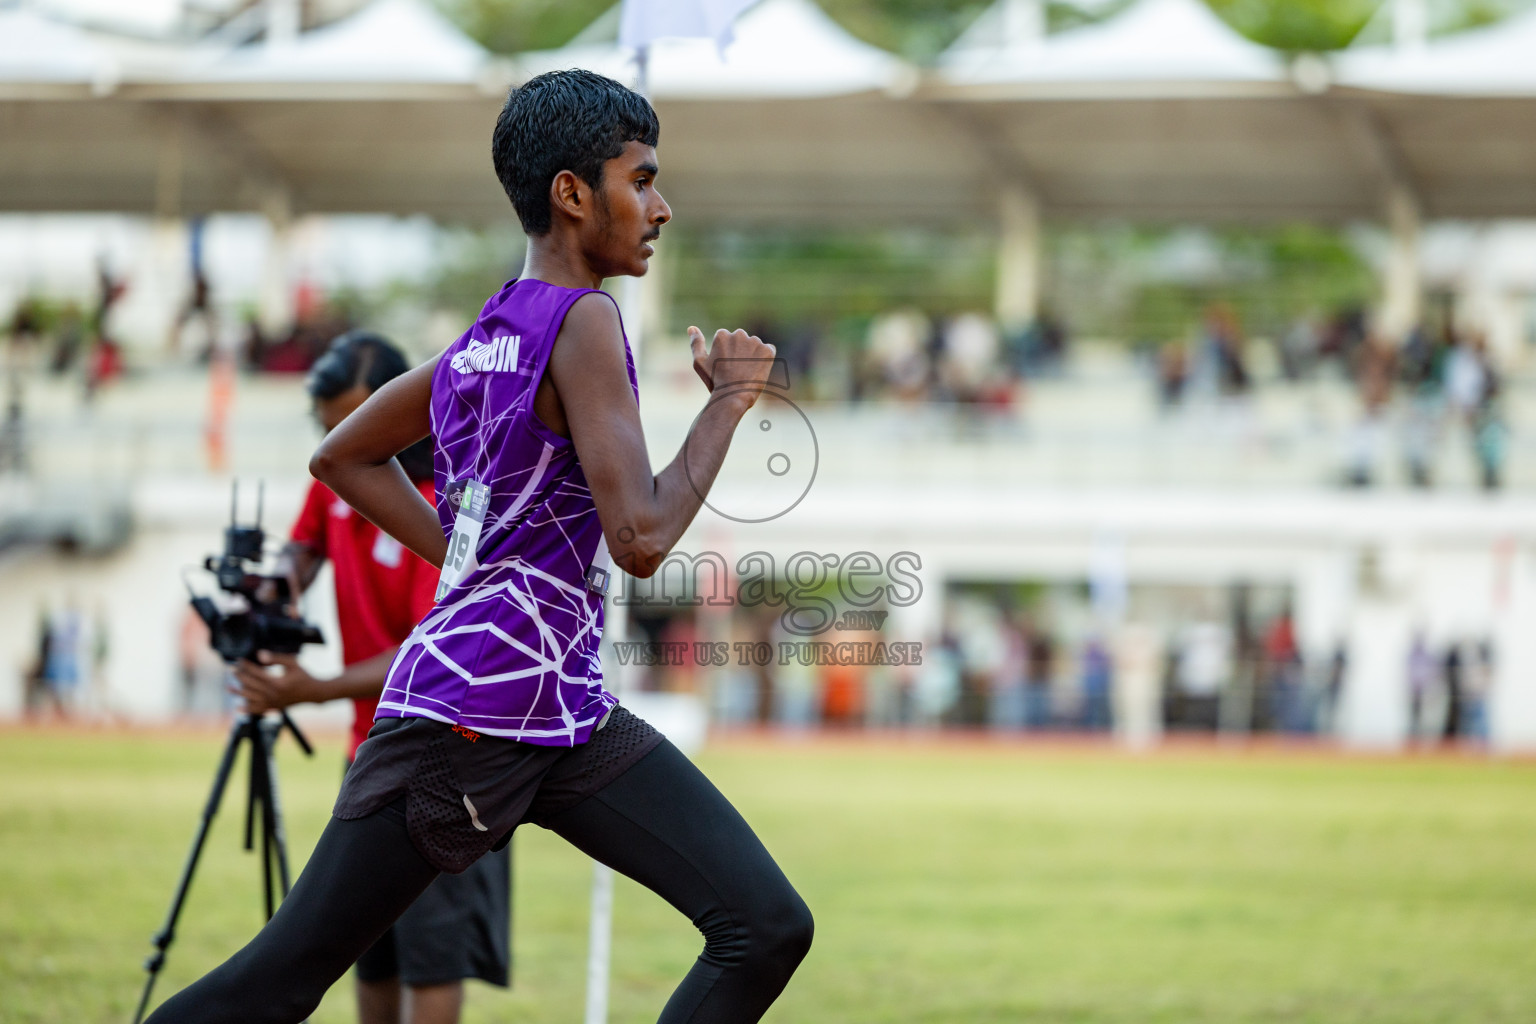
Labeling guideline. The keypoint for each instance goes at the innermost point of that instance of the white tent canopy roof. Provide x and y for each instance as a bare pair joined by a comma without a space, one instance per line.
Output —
1499,60
1152,42
392,41
784,49
38,49
391,110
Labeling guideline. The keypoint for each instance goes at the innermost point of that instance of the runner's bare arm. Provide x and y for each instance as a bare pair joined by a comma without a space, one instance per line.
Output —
586,397
357,461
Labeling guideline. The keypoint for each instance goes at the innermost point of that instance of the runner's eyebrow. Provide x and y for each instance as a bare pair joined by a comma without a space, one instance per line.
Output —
650,169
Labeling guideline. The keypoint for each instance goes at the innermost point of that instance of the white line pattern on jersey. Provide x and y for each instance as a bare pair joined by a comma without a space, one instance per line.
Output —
513,650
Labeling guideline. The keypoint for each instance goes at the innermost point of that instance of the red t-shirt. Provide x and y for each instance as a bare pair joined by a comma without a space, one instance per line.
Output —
382,588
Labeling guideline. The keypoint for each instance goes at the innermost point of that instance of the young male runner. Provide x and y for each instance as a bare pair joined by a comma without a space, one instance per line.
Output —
494,712
459,928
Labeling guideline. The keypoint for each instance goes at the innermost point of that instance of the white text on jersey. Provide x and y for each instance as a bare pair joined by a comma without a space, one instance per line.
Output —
479,357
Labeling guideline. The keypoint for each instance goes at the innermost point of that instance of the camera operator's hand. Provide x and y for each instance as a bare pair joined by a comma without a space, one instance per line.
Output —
298,564
277,682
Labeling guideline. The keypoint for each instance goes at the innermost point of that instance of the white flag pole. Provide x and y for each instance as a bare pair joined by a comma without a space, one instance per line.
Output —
632,300
616,626
599,944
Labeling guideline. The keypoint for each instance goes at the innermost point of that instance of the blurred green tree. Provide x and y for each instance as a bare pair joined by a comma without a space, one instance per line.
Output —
1297,25
920,29
1269,277
508,26
1316,25
832,282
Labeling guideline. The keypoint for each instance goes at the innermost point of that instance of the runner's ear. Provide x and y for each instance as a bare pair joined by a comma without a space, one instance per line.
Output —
569,195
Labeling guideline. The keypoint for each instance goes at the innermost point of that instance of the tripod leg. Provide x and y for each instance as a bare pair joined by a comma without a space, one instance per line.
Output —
273,805
259,807
252,785
274,847
167,933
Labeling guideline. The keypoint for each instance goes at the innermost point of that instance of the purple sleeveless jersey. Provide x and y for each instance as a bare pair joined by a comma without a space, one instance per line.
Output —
511,649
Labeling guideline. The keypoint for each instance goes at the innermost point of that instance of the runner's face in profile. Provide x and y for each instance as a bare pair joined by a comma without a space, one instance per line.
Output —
630,212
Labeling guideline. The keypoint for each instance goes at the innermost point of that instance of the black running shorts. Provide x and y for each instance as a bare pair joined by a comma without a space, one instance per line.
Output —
465,792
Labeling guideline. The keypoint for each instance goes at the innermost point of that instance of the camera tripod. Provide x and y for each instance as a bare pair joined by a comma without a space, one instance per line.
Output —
261,733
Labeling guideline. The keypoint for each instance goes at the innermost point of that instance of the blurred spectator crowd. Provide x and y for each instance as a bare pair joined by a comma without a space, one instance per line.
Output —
1440,384
965,358
62,338
1438,381
66,673
1045,667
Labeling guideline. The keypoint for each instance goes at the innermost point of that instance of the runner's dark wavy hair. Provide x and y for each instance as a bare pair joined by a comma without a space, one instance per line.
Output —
564,121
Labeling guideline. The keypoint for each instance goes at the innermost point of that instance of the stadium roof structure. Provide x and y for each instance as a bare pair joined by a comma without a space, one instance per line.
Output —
1460,112
1165,112
390,46
783,49
795,121
42,55
1159,112
1498,60
1158,47
389,110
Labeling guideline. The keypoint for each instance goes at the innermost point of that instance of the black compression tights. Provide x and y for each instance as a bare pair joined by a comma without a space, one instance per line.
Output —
661,823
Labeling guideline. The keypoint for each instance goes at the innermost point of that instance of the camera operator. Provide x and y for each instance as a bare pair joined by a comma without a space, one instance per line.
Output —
459,926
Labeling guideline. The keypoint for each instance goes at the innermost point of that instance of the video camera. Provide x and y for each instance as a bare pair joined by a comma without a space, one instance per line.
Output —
259,619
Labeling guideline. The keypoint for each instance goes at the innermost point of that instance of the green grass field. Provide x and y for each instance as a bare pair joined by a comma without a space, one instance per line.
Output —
949,883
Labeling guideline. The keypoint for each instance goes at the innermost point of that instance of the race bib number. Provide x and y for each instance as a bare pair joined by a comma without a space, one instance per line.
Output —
470,497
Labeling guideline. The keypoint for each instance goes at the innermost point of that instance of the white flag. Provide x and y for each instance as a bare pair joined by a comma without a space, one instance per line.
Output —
645,21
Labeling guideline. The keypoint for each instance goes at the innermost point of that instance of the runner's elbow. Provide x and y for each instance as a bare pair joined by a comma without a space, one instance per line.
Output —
322,465
639,552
